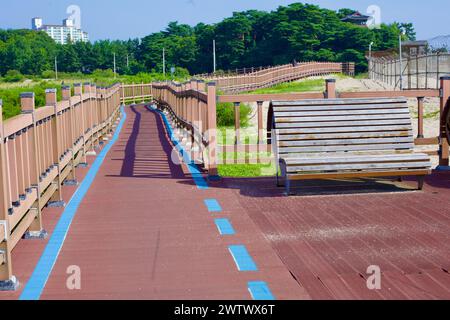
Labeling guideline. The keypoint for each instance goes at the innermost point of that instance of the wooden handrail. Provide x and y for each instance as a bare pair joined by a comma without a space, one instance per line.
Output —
40,150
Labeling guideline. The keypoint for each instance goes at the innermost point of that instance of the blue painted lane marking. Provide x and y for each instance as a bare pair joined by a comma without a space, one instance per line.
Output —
242,258
34,287
260,291
197,175
225,227
213,205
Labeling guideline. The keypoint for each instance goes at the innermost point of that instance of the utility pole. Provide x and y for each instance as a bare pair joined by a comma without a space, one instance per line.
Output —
370,60
214,55
401,60
164,62
56,67
128,61
114,65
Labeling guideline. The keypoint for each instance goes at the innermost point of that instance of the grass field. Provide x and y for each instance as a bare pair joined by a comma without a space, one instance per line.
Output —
246,170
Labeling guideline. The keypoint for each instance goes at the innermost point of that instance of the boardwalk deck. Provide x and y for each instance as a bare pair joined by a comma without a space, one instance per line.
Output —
144,231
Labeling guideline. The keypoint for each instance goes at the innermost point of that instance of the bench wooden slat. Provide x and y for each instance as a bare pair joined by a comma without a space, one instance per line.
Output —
346,148
326,102
345,135
361,174
405,116
365,166
359,159
343,113
343,124
346,142
281,132
282,110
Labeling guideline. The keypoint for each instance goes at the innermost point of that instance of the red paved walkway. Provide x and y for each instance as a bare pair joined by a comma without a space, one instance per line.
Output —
144,232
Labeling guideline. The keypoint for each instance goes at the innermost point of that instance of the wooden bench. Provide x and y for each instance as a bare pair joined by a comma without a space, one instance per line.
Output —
344,138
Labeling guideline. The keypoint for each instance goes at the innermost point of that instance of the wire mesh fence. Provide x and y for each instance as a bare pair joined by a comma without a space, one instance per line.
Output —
421,72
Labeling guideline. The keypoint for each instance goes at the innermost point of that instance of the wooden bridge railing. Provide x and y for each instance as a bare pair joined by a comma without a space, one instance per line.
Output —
40,150
192,108
270,77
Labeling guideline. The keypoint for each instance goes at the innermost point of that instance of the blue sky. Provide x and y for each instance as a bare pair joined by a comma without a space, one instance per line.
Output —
123,19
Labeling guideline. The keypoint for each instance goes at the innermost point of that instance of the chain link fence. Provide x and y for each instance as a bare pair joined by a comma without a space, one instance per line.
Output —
421,72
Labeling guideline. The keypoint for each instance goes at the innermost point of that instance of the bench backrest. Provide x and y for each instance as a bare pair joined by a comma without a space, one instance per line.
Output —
336,126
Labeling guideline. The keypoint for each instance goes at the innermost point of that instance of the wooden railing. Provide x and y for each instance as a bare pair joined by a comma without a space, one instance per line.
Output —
40,150
133,93
280,74
192,108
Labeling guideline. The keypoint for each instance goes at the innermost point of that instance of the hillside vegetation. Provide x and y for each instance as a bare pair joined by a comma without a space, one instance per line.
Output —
252,38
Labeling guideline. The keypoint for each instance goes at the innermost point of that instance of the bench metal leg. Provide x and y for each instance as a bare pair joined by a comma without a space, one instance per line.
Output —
288,186
420,181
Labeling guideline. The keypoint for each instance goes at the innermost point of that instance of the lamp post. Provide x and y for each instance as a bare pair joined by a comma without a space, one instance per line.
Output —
114,65
164,62
401,58
214,55
370,60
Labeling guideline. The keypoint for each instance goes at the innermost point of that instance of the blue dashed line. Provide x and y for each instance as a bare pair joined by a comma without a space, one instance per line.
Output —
225,227
242,258
260,291
213,205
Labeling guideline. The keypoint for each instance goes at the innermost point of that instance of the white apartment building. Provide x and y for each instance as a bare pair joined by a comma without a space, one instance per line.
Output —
61,33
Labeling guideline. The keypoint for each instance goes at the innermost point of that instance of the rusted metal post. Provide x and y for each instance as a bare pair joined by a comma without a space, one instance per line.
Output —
420,117
212,132
330,91
443,148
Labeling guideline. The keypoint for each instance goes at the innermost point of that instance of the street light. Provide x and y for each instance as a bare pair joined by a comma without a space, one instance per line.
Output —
214,55
401,57
370,59
164,62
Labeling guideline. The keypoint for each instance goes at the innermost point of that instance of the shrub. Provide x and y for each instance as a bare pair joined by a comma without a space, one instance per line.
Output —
13,76
48,74
225,114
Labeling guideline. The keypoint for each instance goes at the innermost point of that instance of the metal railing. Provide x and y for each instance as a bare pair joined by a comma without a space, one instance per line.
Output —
421,72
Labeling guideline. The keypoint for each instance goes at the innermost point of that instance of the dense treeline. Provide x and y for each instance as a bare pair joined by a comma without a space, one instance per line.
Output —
300,32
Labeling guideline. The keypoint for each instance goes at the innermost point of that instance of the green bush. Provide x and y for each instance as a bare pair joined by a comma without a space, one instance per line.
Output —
13,76
48,74
225,114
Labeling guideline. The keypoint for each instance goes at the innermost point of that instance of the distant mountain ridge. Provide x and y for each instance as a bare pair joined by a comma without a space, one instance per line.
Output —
440,42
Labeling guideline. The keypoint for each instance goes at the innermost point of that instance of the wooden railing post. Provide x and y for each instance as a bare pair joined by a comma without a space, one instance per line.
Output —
330,91
51,100
260,122
237,122
420,117
7,280
443,149
35,231
212,132
66,96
